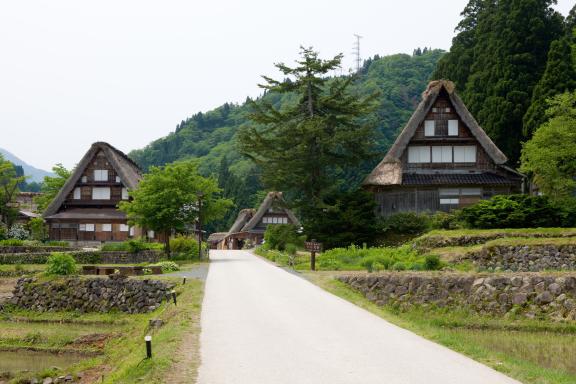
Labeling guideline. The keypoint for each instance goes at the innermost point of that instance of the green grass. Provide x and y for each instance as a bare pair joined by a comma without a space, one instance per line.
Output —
122,358
532,351
553,232
513,241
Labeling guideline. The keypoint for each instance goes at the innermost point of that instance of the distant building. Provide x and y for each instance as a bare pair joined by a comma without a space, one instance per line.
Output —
27,208
441,160
251,224
85,209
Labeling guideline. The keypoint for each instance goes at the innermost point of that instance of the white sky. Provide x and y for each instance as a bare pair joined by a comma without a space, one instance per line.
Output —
126,72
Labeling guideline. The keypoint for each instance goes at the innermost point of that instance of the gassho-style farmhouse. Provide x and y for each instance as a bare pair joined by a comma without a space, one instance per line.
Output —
441,160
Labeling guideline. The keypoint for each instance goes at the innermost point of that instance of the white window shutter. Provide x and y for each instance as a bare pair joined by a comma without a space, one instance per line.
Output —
429,127
452,127
77,193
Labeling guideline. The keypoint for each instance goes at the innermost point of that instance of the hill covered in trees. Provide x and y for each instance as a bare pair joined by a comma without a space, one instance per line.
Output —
210,137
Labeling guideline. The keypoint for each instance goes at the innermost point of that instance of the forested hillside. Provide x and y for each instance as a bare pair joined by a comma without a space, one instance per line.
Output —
210,136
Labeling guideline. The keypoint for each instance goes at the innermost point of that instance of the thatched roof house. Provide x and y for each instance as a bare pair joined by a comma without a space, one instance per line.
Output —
441,160
251,224
85,209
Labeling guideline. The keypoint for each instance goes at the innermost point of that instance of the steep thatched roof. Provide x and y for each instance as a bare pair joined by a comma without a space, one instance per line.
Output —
243,217
389,171
217,237
128,171
271,197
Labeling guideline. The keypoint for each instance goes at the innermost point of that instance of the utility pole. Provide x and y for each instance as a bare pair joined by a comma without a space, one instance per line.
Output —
356,51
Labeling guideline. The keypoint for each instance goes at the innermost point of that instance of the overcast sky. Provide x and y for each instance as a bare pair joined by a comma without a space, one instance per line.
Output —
126,72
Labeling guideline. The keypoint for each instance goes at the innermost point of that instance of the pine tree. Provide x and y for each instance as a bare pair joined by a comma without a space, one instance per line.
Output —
302,147
559,77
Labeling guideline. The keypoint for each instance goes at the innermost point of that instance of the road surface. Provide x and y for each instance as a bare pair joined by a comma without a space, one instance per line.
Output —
263,325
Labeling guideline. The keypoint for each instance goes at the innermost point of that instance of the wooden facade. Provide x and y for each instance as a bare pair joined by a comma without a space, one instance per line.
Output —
251,224
442,160
85,210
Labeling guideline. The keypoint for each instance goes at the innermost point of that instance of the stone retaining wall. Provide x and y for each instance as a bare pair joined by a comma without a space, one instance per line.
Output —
525,258
91,295
438,241
86,257
528,294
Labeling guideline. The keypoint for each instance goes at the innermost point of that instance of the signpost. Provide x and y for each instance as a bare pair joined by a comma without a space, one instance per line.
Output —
313,247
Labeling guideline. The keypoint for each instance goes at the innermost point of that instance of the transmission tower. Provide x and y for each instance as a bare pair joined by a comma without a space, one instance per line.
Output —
356,51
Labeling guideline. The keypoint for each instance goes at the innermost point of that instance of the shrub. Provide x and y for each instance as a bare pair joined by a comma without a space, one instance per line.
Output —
17,231
61,264
278,235
519,211
291,249
445,220
399,266
37,229
407,223
432,263
183,248
3,231
167,266
12,242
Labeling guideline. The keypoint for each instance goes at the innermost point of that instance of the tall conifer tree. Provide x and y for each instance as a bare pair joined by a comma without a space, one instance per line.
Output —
559,77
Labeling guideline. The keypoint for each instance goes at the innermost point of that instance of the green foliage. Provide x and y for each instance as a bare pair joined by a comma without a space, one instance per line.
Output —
9,182
550,156
347,218
291,249
167,266
37,229
432,262
497,58
302,146
12,243
132,246
51,186
57,243
184,247
3,231
407,223
445,220
518,211
61,264
277,236
168,199
559,77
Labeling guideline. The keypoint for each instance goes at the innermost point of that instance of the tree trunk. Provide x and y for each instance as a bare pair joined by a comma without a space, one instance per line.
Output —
167,243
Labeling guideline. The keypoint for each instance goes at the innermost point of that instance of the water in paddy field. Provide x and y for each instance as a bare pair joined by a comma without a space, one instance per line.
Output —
33,361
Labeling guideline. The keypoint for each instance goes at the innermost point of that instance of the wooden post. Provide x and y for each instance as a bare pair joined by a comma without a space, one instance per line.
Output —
313,258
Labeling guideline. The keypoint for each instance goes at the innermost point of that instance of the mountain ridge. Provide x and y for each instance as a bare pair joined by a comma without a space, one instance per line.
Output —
36,174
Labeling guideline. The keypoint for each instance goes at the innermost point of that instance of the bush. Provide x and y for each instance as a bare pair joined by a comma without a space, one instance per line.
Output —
3,232
432,263
12,243
520,211
184,248
167,266
37,229
407,223
291,249
277,236
17,231
61,264
446,220
132,246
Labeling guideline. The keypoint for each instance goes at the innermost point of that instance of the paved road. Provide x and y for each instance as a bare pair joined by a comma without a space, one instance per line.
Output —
262,325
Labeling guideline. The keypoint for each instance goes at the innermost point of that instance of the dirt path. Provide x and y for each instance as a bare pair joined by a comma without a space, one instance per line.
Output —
263,325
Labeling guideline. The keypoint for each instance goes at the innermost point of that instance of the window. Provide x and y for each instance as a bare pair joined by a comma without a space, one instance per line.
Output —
429,127
124,228
77,194
284,220
435,110
449,201
100,175
447,110
124,194
471,191
86,228
419,154
101,193
442,154
452,127
118,179
106,227
465,154
131,233
84,179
